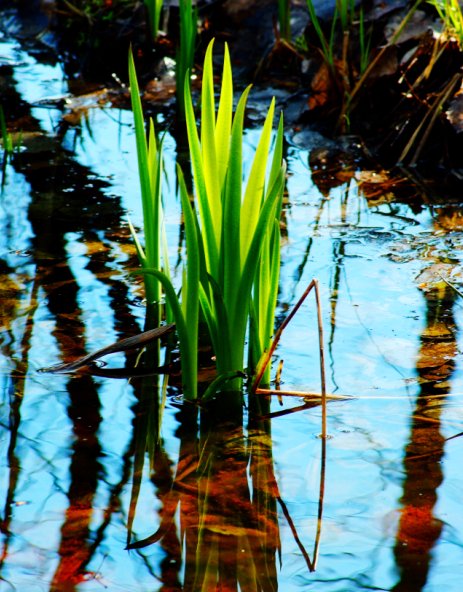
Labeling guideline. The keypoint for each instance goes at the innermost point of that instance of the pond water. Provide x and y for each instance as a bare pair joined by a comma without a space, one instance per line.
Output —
378,504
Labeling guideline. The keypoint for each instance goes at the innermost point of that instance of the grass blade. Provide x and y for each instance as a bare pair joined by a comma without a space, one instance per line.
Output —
211,245
255,186
224,119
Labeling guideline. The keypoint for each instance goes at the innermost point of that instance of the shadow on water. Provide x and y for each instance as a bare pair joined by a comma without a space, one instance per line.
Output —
419,529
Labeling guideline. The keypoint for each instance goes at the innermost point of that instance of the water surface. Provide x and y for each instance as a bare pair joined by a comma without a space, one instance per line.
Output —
392,480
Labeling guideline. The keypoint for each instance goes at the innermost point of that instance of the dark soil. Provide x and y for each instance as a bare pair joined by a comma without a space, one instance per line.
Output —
407,111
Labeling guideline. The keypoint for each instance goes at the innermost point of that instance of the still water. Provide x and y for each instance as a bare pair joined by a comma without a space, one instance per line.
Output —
264,505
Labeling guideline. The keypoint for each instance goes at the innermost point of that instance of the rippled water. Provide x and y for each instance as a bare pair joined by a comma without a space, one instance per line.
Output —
391,516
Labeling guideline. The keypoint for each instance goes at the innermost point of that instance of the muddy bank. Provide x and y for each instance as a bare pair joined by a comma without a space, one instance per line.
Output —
396,94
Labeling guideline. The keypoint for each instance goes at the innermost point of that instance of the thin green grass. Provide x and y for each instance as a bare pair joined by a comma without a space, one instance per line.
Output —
186,49
346,50
364,42
326,47
346,12
154,9
284,19
371,64
346,18
451,15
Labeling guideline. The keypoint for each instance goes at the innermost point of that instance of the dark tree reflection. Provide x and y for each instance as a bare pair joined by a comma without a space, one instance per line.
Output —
419,529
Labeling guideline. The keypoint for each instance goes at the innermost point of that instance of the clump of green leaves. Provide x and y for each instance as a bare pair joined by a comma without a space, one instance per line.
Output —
239,234
232,235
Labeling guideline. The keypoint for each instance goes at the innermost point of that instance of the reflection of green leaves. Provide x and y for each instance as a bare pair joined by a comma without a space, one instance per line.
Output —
7,142
237,534
222,504
225,501
141,436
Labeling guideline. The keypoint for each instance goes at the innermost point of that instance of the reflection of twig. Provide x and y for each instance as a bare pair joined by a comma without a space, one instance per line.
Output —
17,389
310,400
284,412
312,564
304,394
453,437
125,372
291,525
322,357
315,226
321,498
370,337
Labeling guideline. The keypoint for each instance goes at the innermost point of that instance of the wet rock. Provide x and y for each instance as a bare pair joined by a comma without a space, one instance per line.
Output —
455,112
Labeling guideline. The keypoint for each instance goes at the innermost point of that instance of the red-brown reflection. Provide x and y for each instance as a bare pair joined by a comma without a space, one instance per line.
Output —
419,529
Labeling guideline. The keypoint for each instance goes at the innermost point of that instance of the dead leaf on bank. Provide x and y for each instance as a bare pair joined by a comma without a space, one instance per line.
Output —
434,276
449,219
323,89
377,186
